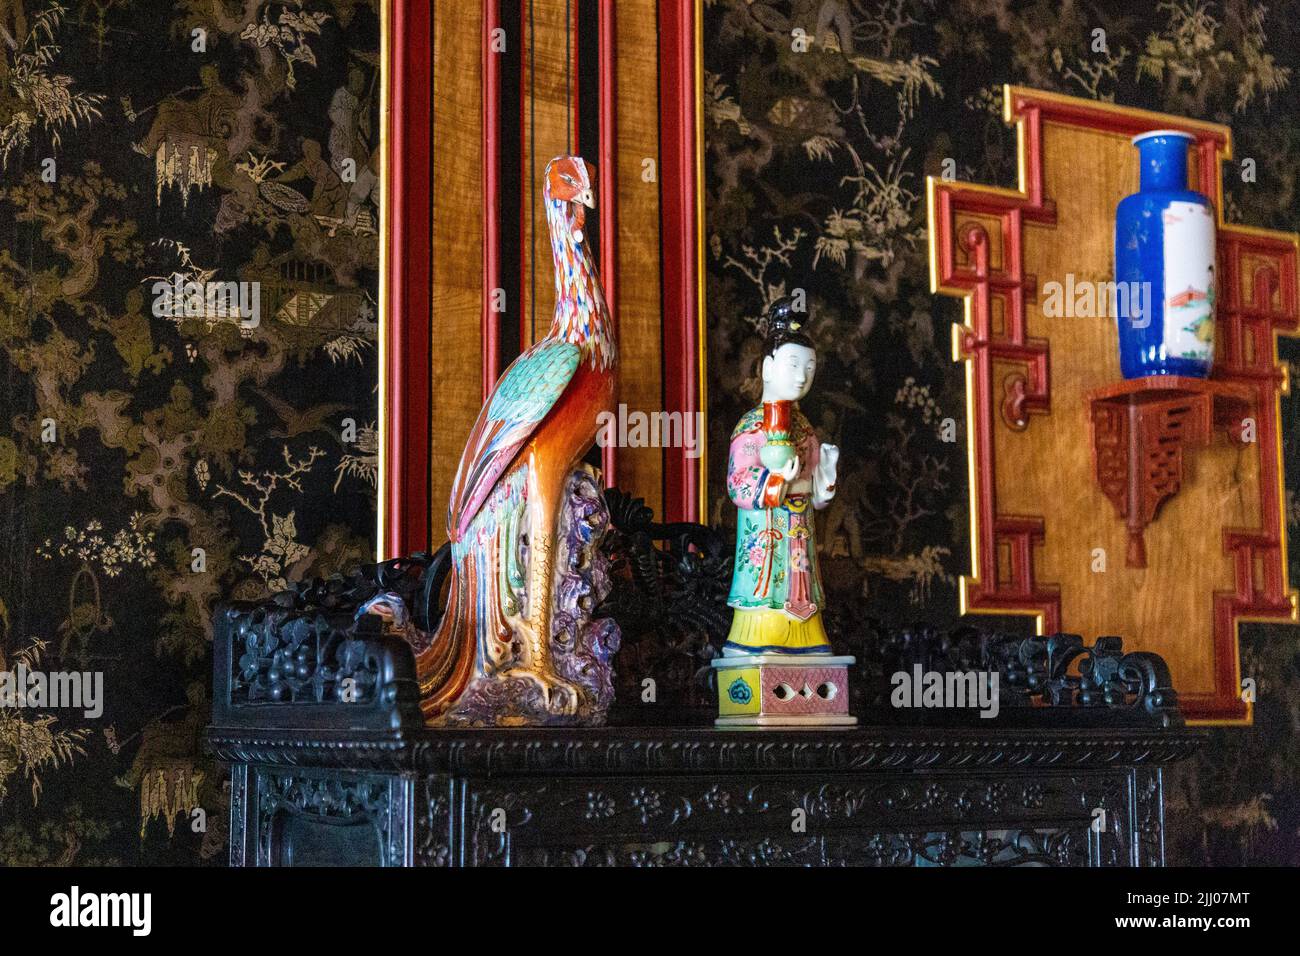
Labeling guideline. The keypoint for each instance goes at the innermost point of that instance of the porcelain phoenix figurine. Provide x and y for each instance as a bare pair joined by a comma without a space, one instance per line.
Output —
777,667
515,644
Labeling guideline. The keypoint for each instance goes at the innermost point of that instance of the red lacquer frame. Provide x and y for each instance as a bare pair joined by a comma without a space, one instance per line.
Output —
405,281
681,145
407,322
1248,363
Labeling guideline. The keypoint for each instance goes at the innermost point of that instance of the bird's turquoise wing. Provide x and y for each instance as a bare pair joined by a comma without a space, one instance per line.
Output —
533,383
523,396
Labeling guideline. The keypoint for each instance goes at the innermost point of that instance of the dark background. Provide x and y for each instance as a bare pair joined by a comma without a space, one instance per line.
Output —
171,435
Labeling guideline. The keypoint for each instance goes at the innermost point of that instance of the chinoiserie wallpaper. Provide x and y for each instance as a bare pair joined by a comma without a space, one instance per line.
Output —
816,162
159,452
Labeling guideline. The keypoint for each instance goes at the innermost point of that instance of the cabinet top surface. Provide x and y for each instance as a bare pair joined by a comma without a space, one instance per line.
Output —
617,750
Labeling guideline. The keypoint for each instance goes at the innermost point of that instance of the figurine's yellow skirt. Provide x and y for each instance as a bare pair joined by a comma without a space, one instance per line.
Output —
769,631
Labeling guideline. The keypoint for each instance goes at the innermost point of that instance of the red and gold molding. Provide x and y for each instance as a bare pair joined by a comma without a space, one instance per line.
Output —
681,126
405,278
607,181
491,367
1036,512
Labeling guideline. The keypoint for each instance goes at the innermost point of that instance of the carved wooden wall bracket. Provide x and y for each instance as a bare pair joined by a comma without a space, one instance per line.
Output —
1143,432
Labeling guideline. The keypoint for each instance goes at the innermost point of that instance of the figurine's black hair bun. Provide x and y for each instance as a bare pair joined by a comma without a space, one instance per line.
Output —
783,325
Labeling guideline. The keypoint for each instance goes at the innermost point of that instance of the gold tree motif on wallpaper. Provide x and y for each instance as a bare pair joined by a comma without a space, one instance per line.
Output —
46,98
281,548
32,743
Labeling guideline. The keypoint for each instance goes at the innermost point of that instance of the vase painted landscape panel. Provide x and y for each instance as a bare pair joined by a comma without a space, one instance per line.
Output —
1189,280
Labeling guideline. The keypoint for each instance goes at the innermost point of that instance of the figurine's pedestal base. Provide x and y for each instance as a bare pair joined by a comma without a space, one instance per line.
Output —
783,690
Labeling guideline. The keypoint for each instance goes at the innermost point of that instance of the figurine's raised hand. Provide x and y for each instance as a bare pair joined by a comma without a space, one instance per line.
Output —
829,463
791,470
827,467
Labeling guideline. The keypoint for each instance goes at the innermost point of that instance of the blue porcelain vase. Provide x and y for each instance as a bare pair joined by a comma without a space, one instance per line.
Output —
1164,266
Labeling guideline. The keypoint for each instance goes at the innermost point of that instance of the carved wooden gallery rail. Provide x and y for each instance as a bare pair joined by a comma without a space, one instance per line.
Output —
317,711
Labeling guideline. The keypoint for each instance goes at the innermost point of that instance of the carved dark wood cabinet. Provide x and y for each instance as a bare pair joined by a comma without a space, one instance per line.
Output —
316,711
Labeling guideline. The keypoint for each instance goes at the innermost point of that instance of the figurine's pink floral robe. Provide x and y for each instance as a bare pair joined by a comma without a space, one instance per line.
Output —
776,557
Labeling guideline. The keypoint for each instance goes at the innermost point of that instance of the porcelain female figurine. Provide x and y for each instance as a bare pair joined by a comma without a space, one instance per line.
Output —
777,475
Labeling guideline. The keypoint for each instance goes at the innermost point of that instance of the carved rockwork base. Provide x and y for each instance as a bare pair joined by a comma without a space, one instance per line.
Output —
783,690
582,647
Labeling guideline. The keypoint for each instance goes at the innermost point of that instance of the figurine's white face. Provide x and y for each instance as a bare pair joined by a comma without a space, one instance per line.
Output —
788,373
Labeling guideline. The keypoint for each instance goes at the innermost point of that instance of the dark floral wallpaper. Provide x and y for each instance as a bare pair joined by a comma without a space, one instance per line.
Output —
822,119
159,453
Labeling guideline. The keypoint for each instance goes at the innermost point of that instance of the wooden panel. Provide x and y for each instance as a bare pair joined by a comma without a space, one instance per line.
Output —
1040,522
435,244
549,128
457,245
640,332
1087,172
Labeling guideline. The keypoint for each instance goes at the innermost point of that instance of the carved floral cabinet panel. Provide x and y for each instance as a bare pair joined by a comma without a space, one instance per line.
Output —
694,797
